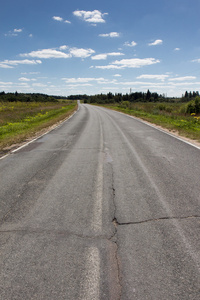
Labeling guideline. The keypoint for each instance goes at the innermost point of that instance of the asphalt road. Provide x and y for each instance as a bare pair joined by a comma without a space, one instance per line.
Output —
103,207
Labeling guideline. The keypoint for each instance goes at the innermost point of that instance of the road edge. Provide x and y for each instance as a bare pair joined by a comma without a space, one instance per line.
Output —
162,129
41,135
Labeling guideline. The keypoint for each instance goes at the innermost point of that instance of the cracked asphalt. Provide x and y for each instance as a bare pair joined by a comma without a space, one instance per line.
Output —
102,207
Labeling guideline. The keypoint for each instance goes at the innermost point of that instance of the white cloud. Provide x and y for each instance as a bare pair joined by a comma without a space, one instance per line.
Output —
82,79
186,84
80,84
24,84
13,32
130,63
47,53
115,54
5,83
109,67
74,82
64,47
39,84
24,79
4,66
53,53
80,52
182,78
94,16
149,76
32,73
143,83
24,62
111,34
177,49
17,30
196,60
99,56
30,35
11,63
117,75
132,44
156,42
57,18
105,55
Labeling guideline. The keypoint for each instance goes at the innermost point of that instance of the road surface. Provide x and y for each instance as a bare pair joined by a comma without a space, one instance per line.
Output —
103,207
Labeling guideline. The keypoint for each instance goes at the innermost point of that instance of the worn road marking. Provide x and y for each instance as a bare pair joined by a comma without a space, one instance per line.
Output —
98,196
90,285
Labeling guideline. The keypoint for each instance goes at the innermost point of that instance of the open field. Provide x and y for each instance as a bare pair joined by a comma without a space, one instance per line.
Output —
171,116
20,121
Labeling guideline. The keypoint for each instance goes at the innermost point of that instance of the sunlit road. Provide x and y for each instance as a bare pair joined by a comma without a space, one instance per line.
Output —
102,207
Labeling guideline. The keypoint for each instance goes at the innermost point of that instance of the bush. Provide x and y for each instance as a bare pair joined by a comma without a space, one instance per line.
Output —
194,106
125,104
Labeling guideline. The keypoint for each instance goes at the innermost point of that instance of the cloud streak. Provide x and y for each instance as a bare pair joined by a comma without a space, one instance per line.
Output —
9,64
156,42
84,81
131,44
59,19
46,53
196,60
130,63
104,56
14,32
182,78
111,34
149,76
53,53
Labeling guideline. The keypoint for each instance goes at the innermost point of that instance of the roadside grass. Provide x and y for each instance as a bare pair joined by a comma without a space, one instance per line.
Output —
20,121
171,116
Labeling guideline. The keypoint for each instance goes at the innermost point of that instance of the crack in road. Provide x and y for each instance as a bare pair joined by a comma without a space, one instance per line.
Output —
117,223
113,238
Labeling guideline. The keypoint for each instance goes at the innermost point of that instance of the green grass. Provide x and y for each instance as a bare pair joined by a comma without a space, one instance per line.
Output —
19,121
171,116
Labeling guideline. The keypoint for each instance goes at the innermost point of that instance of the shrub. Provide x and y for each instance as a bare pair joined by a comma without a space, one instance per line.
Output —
125,104
194,106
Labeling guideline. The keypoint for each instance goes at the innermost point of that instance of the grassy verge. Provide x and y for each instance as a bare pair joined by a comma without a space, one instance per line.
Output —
170,116
20,121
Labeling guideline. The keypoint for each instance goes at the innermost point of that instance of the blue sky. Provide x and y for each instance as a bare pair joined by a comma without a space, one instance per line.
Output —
88,47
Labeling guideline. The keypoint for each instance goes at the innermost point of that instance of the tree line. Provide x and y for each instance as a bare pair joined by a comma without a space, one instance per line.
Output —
119,97
21,97
99,98
190,95
133,97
